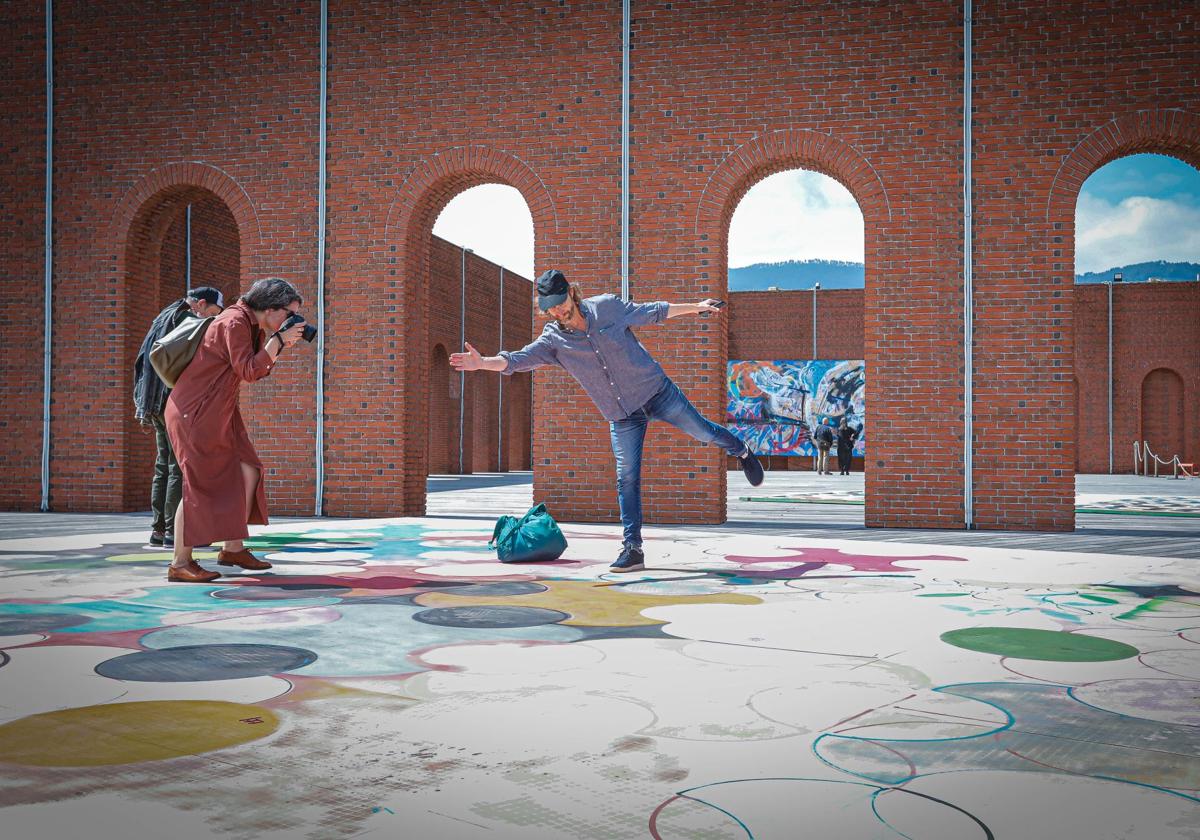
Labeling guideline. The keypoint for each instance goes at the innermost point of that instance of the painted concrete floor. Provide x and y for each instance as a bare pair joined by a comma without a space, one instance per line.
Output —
388,678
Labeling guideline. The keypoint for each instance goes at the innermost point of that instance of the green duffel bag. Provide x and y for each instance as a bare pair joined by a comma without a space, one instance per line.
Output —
535,536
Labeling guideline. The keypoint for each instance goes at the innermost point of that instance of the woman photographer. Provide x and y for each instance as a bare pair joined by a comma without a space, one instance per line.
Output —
222,475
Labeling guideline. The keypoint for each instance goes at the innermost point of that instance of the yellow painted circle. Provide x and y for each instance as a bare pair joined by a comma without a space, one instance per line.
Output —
130,733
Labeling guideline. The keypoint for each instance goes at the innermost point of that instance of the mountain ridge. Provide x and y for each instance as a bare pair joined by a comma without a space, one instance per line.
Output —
843,274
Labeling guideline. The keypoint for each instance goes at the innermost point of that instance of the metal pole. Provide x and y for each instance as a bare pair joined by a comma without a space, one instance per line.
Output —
187,269
500,391
1110,376
462,345
625,43
968,281
816,288
319,456
47,329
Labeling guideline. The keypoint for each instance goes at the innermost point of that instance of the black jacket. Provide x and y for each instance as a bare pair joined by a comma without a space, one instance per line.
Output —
149,392
846,438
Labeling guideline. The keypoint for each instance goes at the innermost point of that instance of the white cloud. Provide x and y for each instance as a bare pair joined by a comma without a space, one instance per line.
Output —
493,221
1136,229
796,215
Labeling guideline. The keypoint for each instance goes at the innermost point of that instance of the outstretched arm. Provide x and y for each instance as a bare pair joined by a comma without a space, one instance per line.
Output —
529,357
472,360
707,305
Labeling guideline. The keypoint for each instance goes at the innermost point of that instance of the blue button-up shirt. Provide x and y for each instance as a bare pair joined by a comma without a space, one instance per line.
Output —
609,362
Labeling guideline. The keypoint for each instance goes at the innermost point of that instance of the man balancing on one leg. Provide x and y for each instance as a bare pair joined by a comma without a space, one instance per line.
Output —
592,339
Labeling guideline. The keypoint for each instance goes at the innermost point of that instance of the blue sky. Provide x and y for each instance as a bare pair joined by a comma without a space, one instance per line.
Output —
1136,209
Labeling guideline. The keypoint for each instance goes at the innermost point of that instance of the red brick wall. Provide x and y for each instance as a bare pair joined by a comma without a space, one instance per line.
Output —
155,100
481,431
1060,90
22,239
1156,329
155,104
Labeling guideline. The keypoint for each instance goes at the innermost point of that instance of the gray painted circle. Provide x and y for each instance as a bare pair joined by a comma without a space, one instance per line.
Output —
490,616
193,663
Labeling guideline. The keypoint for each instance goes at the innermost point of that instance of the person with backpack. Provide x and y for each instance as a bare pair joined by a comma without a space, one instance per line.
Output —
150,399
823,438
593,340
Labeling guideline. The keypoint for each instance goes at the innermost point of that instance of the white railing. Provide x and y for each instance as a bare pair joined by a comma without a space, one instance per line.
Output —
1143,457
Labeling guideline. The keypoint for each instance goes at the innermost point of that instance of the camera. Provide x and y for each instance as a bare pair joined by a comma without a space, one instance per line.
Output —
309,332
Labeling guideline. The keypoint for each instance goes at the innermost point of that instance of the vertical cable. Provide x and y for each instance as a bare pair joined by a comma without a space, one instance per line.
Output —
1110,377
462,346
968,283
625,39
187,244
48,292
319,503
500,392
816,288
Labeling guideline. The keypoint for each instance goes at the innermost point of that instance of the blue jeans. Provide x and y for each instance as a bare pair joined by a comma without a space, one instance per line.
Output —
628,435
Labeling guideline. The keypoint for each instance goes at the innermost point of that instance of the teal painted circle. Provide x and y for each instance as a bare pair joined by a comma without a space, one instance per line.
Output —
1044,645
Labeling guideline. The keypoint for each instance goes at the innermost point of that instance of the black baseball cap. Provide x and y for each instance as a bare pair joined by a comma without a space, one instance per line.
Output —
207,294
552,289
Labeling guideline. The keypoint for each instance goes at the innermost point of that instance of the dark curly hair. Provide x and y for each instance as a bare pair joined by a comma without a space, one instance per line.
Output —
271,293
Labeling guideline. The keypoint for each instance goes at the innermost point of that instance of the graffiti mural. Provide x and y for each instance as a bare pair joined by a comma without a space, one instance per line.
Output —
775,405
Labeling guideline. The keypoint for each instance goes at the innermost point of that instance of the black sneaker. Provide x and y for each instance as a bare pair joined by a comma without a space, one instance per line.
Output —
156,539
631,559
168,541
751,468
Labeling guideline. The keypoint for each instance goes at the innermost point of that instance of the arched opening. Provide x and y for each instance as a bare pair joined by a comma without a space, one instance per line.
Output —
410,257
1162,414
443,413
481,263
796,344
181,237
1137,263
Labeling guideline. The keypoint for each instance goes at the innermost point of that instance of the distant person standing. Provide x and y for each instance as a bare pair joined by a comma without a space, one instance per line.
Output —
150,399
823,439
846,436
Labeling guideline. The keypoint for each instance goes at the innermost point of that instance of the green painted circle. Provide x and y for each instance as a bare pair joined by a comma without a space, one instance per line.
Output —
1046,645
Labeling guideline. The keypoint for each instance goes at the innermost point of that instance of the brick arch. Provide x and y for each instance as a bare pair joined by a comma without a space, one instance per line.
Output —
1165,131
176,179
1162,412
426,190
781,150
147,228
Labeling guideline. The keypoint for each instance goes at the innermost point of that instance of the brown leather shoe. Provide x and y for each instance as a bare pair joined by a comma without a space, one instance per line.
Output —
242,558
193,572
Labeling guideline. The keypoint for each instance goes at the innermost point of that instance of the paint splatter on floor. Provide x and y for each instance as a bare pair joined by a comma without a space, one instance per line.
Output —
390,678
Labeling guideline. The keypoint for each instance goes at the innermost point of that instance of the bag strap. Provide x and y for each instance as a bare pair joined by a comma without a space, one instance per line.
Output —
503,525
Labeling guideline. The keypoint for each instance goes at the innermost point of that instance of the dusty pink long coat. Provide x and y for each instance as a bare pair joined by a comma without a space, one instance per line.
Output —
207,432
